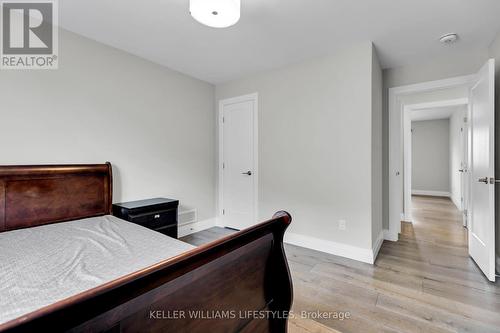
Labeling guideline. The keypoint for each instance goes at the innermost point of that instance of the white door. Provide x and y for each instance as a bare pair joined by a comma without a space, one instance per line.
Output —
238,198
482,222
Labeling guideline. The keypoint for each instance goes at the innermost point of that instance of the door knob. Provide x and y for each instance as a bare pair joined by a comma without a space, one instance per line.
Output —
484,180
461,170
248,173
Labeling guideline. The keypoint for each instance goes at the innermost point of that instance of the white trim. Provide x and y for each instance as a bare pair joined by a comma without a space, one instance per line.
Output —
338,249
431,193
377,245
407,164
465,178
255,173
396,160
218,223
437,104
433,85
456,202
393,237
191,228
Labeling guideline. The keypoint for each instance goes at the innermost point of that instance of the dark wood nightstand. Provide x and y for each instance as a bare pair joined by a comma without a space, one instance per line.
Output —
159,214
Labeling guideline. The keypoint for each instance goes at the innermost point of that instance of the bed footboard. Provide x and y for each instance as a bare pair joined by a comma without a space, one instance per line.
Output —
240,283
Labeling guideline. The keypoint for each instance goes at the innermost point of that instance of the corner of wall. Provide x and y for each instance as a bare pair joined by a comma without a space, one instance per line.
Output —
377,148
377,245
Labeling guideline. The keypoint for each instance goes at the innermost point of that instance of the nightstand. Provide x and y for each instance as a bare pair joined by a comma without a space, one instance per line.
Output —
159,214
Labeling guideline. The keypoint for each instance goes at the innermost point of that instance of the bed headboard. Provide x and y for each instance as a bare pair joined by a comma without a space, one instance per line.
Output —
34,195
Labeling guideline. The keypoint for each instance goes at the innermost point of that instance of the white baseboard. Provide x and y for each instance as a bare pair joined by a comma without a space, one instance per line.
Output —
457,202
390,236
191,228
338,249
377,245
431,193
407,218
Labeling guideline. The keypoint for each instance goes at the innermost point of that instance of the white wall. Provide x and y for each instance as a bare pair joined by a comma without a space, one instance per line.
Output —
427,70
431,155
315,146
155,126
494,52
456,155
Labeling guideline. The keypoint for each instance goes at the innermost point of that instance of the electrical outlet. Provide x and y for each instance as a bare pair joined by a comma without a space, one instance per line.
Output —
342,224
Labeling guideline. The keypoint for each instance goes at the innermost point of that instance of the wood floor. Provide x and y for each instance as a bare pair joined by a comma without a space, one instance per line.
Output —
426,282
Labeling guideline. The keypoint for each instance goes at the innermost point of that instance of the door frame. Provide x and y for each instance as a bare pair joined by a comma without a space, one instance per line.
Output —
396,149
466,165
407,147
254,97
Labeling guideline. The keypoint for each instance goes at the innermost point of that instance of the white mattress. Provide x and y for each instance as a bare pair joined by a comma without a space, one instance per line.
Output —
42,265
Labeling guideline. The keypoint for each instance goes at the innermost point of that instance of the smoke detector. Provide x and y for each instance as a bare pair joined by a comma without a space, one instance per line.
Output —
449,39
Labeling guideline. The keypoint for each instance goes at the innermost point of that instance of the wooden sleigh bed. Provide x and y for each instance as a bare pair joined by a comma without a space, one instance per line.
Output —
244,277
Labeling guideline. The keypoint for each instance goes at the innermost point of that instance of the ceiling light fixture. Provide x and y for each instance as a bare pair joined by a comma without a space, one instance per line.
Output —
215,13
449,39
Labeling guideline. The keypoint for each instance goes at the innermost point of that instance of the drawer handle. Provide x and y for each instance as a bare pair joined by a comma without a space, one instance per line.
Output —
157,216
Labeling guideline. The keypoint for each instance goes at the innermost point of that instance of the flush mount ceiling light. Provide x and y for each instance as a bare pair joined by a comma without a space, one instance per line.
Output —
215,13
449,39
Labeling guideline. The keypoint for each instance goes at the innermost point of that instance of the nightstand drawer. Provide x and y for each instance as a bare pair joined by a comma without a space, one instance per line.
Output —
159,214
156,220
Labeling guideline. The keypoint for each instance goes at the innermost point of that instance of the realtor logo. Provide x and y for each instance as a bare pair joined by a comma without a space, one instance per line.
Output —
29,35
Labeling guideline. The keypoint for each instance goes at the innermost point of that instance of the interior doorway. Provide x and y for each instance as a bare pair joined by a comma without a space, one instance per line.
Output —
402,100
477,174
435,156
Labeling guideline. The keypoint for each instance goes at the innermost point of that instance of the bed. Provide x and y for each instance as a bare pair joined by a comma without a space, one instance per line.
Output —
66,264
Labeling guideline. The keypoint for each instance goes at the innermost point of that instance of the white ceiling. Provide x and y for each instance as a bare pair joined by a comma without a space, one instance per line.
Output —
435,113
274,33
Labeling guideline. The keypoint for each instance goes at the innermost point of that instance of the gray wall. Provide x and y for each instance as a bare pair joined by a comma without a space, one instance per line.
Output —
315,143
431,155
377,204
428,70
155,125
495,53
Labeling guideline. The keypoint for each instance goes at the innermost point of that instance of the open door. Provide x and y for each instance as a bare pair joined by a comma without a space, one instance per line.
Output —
482,167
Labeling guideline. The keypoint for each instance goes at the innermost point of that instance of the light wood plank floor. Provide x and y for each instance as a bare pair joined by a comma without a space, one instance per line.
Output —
426,282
